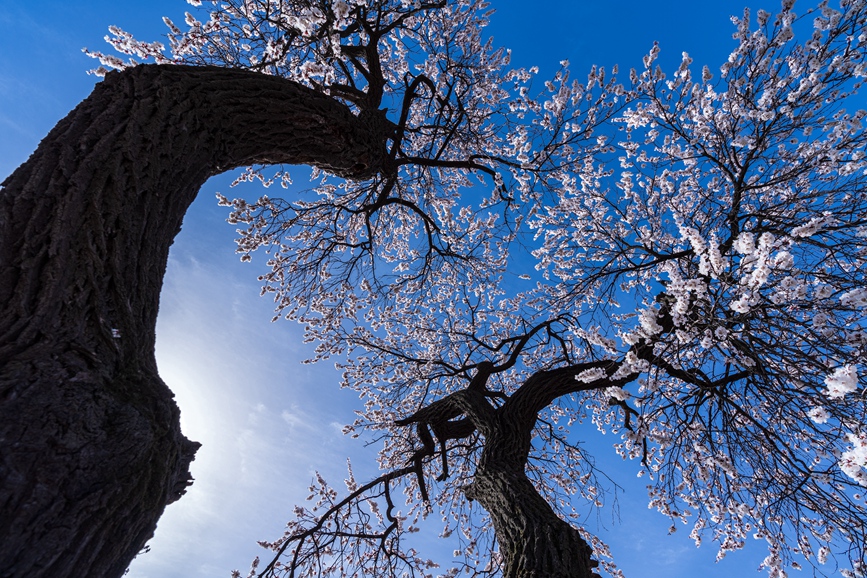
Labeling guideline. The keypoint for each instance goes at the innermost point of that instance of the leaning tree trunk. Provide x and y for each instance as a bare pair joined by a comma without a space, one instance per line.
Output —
91,450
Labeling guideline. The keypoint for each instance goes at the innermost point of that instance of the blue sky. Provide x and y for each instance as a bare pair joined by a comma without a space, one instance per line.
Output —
266,421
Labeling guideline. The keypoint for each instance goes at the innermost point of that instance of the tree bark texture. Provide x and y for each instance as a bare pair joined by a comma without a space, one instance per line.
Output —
533,540
91,450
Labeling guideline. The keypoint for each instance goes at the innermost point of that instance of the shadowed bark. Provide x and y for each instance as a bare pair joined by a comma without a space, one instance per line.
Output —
91,450
533,540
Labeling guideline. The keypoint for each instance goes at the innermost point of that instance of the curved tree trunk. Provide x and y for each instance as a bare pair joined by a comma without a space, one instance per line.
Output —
533,540
91,450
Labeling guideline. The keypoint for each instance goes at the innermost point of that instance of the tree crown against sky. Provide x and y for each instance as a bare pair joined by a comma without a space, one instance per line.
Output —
677,257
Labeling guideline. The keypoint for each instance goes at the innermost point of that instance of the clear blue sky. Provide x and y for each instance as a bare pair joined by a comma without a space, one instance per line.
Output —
266,421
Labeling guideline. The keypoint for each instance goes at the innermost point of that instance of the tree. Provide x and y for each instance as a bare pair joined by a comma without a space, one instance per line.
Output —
699,249
92,449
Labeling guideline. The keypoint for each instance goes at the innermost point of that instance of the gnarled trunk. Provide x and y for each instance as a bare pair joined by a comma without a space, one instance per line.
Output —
533,540
91,450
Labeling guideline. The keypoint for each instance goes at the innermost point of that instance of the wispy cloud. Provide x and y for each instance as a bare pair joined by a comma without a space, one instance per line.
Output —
245,396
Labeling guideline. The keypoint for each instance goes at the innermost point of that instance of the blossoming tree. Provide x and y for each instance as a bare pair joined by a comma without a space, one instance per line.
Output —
675,259
702,292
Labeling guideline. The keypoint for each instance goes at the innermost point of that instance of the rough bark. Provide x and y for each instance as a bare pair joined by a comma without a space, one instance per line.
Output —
91,450
533,540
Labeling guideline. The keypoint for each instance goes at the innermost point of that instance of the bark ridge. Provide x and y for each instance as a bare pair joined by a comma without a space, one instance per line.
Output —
92,450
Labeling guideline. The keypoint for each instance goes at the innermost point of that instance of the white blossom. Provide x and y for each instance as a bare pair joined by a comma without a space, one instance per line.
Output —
854,461
818,415
855,298
591,375
844,380
618,393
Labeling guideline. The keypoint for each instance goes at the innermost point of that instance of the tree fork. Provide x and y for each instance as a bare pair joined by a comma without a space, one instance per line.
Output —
533,540
91,450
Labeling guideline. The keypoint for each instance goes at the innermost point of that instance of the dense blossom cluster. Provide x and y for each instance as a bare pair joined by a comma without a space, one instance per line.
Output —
689,251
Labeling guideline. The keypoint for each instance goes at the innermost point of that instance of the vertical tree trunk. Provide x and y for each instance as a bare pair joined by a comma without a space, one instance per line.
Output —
91,450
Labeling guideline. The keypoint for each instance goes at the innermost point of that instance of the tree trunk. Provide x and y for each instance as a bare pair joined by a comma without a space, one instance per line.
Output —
91,450
533,540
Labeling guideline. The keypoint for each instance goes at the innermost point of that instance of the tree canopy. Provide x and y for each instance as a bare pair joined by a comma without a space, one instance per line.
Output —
674,257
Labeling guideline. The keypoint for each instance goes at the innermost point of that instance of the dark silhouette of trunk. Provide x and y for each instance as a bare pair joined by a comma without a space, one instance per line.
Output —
91,450
533,540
